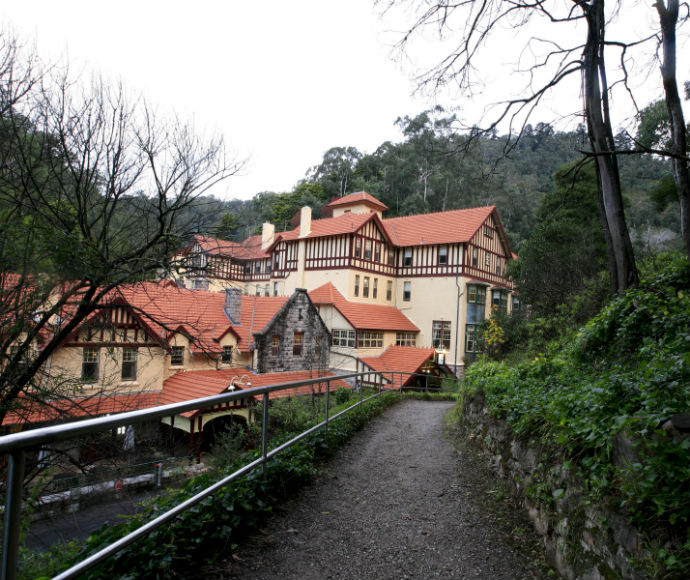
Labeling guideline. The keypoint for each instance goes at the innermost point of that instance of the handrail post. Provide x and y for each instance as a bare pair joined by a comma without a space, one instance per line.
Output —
264,431
13,515
328,388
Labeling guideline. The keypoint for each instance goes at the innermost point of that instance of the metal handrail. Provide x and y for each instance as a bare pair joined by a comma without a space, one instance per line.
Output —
16,444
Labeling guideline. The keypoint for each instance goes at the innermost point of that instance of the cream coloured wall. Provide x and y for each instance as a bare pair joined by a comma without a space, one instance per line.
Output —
66,364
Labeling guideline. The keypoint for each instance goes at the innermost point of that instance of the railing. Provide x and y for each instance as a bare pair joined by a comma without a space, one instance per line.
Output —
16,445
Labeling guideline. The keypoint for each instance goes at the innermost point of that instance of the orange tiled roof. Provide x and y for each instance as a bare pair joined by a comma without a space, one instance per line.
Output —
357,198
250,248
33,412
256,313
363,316
437,228
406,359
334,226
188,385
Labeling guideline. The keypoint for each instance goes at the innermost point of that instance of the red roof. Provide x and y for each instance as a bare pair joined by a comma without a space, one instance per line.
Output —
188,385
250,248
77,408
358,198
257,312
445,227
405,359
363,316
334,226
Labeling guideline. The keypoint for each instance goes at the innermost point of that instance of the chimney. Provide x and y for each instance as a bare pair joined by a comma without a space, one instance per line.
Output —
304,221
268,232
233,304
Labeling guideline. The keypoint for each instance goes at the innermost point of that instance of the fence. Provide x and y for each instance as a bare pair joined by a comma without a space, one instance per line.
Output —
15,446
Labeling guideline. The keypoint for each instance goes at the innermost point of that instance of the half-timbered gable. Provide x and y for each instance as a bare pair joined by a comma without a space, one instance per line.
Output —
487,253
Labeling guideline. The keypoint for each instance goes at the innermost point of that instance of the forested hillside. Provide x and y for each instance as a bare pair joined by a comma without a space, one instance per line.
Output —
435,168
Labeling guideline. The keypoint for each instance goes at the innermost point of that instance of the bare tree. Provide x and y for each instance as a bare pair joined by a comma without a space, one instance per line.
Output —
668,20
473,25
93,192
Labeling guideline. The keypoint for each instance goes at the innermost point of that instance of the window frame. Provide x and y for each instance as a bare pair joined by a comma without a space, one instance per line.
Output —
407,291
275,345
441,334
443,255
370,339
128,370
407,258
365,287
356,291
226,355
297,343
343,338
389,290
177,356
90,358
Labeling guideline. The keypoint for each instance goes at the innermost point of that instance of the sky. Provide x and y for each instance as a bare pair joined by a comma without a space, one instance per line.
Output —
282,81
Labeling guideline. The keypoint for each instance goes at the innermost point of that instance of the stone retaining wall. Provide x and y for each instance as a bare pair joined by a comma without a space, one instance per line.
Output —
582,541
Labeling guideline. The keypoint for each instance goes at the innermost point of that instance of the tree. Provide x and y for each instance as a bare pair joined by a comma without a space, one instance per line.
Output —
93,188
668,18
336,170
479,22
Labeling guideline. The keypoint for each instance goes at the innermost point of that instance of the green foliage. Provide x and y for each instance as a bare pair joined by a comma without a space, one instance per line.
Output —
208,531
623,375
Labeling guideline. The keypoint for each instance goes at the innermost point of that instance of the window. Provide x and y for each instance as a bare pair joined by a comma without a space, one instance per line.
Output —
89,365
226,357
487,260
357,285
516,303
389,290
405,338
407,291
391,257
471,343
407,257
476,299
275,345
344,338
358,247
275,288
267,290
177,356
499,301
488,232
442,255
257,268
367,249
297,342
475,257
498,265
365,288
246,289
440,334
276,262
129,364
377,252
370,339
258,290
375,291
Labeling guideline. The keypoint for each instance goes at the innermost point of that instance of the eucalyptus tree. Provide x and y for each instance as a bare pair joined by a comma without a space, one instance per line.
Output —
470,27
93,191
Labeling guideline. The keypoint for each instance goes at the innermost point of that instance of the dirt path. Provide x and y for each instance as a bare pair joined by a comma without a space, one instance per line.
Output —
400,501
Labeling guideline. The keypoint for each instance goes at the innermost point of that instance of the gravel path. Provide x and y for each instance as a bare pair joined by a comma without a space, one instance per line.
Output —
401,500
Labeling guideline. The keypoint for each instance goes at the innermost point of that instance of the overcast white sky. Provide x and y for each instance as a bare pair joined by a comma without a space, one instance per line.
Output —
283,81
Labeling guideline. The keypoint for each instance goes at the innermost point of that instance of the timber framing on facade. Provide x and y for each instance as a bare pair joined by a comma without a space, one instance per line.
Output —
445,271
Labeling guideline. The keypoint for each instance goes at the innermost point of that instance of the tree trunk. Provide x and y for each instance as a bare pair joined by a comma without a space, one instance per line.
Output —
621,256
668,18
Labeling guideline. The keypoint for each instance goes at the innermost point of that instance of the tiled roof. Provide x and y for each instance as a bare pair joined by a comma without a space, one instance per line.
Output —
437,228
334,226
250,248
166,309
363,316
188,385
357,198
257,312
405,359
33,412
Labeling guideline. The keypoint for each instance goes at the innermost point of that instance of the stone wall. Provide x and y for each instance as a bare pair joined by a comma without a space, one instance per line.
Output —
582,541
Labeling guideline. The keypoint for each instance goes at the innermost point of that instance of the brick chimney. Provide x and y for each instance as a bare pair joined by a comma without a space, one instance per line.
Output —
233,304
304,221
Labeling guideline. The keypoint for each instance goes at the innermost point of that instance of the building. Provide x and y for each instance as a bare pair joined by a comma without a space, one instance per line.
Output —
445,272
